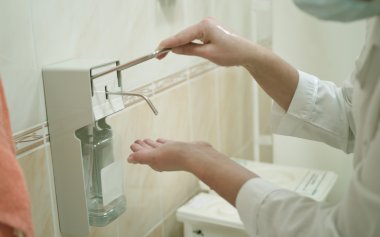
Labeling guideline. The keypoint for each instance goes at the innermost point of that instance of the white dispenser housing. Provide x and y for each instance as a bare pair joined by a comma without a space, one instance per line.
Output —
76,99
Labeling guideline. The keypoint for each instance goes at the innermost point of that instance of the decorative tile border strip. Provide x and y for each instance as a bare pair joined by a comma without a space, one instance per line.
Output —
37,136
30,139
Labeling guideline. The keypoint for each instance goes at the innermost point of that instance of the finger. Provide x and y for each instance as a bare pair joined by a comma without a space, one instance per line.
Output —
162,140
136,147
161,56
193,49
131,159
186,49
143,144
152,143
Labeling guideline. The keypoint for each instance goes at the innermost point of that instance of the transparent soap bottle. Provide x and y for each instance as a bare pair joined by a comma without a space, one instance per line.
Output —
103,176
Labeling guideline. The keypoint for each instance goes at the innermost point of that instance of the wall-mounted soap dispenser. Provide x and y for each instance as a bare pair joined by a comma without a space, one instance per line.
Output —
79,95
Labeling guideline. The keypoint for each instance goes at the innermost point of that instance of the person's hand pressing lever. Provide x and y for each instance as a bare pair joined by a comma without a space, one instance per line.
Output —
209,40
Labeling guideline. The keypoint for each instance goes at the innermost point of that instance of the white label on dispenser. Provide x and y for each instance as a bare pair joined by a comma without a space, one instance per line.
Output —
112,182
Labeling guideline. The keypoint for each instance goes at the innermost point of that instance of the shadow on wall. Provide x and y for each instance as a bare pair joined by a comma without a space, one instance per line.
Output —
168,7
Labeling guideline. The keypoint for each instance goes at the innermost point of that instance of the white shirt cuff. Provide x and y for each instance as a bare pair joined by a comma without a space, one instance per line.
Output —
249,200
301,107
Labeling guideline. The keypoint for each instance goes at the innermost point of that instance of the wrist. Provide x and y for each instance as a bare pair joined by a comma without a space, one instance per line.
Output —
197,166
203,163
254,53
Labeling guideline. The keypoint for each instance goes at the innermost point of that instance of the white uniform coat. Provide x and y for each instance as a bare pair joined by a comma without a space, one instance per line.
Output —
347,118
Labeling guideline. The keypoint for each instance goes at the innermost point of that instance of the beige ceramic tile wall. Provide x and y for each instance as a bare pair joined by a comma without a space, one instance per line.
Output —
266,151
169,228
213,107
265,108
204,100
235,102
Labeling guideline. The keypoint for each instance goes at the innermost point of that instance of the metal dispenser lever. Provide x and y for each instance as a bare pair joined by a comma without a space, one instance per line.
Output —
133,62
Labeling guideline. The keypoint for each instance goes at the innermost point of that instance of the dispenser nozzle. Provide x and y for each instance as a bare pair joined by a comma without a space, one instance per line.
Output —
123,93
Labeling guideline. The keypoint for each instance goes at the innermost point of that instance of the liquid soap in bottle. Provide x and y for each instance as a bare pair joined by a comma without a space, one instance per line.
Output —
103,175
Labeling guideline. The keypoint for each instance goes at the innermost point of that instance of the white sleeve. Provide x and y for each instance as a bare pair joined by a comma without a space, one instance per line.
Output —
269,211
319,111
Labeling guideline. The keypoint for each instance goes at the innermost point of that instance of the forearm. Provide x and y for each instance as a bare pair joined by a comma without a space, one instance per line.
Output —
274,75
223,175
277,78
